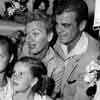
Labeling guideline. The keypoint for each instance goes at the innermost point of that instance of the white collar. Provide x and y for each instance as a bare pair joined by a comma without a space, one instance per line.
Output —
80,47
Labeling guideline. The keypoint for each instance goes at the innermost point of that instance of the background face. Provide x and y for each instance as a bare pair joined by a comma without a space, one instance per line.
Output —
21,77
67,28
37,37
4,58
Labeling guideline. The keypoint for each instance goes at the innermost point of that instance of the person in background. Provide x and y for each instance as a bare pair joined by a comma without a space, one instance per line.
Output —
37,3
28,79
38,36
6,57
78,50
2,6
14,4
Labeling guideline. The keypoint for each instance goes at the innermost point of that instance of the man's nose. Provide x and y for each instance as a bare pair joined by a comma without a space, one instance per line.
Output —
59,29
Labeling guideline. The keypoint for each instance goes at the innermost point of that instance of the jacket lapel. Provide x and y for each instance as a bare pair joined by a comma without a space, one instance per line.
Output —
57,47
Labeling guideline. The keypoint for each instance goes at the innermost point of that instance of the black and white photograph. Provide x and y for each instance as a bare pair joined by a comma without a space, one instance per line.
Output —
49,49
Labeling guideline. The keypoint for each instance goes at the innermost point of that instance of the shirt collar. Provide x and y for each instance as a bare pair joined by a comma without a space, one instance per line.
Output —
80,47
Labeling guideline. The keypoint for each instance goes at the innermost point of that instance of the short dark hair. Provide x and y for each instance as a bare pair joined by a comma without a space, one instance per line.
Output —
79,6
41,16
7,43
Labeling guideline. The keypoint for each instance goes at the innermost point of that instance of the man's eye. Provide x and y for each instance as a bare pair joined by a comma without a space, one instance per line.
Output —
66,25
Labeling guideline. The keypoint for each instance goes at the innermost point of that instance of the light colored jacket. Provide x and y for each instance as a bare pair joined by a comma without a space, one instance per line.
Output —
73,86
54,64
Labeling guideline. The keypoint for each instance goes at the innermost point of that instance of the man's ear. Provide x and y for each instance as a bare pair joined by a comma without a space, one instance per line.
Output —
34,82
50,36
11,58
82,25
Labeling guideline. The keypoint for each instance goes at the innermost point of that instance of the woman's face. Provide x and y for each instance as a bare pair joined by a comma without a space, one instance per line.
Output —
37,37
22,78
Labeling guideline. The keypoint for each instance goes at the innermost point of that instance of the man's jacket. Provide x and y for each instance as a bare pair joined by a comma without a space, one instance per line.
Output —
85,54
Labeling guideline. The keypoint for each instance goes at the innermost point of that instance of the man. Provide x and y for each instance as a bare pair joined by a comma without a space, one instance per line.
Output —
38,36
77,48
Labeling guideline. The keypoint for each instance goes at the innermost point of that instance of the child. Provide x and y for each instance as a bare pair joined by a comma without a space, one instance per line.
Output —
28,80
6,56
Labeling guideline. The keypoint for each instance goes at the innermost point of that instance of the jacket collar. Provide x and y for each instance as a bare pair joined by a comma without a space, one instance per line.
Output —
79,49
49,55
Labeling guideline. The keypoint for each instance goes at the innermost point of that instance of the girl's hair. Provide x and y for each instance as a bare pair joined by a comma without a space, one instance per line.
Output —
7,43
39,70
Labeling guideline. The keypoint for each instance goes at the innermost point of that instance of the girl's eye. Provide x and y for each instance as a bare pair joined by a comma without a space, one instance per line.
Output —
2,56
18,75
13,72
21,73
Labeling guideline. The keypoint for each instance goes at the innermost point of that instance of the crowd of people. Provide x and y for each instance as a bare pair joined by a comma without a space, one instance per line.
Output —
53,58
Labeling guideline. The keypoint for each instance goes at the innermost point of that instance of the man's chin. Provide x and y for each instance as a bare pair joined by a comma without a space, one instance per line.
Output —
64,42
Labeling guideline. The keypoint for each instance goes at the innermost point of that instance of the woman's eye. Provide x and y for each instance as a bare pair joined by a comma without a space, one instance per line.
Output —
35,33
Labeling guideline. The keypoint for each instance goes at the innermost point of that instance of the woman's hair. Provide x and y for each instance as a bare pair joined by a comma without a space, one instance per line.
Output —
39,70
41,16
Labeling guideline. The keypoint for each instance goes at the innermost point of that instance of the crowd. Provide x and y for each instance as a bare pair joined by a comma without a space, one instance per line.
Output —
53,57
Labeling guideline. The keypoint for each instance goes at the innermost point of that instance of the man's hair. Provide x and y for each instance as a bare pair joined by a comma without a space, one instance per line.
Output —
41,16
78,6
7,43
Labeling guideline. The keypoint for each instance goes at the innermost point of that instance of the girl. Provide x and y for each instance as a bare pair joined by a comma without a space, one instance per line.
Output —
29,80
6,56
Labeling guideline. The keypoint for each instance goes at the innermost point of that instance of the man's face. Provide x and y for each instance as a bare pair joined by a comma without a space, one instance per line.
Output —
37,37
67,27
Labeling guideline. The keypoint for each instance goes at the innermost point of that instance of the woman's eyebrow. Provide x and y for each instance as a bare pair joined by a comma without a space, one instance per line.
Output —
35,29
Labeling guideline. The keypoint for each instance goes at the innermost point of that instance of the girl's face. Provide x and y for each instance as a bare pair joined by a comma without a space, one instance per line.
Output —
22,78
4,58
